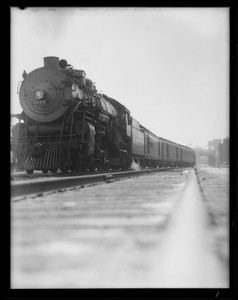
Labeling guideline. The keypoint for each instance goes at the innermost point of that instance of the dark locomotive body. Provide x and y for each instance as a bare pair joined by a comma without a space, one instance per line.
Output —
67,125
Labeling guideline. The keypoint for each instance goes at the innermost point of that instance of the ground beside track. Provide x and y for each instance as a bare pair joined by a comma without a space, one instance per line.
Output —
214,183
107,235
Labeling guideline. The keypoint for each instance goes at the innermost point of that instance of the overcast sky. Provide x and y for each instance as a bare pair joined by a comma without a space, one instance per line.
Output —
168,66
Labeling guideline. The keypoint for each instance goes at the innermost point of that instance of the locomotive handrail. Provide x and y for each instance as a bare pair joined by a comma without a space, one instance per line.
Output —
18,86
62,128
74,109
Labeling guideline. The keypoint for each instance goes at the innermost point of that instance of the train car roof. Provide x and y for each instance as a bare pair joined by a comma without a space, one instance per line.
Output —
169,141
159,137
163,139
144,128
185,147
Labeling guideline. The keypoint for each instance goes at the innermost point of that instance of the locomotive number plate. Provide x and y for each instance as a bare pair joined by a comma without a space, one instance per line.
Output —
39,102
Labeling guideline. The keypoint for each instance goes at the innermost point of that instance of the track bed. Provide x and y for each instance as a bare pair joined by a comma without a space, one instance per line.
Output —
130,233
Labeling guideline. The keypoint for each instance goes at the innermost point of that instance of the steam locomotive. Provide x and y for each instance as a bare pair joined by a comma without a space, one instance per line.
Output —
66,124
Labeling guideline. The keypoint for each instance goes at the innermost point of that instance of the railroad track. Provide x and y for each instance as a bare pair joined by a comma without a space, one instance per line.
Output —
21,188
147,231
17,176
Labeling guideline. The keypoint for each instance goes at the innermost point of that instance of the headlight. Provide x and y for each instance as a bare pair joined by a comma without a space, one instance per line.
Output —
39,94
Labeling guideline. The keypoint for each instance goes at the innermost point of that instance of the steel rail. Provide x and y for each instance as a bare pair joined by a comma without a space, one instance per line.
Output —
50,184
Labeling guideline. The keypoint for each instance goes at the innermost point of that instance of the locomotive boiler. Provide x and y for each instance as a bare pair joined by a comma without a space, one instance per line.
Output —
66,124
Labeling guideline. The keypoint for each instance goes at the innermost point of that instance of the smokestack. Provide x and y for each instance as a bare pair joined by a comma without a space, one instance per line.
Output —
51,62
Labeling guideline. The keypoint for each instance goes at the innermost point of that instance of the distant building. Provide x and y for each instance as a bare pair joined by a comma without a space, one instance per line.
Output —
211,158
222,152
201,155
212,145
219,152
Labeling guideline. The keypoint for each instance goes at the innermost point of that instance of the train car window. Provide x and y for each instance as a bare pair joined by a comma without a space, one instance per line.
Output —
177,152
129,120
159,148
167,150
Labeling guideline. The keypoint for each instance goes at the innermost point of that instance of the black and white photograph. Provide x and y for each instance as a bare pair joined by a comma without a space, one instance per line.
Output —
120,147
